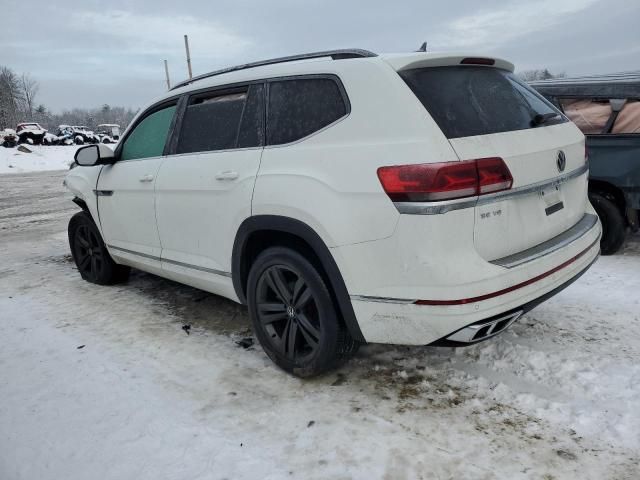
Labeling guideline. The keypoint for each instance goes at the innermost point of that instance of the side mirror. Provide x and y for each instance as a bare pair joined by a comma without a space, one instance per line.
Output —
94,155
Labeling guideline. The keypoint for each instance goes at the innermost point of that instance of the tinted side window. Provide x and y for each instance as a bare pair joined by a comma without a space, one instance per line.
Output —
148,138
211,123
251,128
298,108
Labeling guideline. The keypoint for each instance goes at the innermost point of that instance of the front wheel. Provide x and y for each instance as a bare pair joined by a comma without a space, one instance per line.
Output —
293,315
90,253
613,226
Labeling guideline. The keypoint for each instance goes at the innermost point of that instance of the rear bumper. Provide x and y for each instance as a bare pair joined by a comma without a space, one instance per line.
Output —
449,288
514,315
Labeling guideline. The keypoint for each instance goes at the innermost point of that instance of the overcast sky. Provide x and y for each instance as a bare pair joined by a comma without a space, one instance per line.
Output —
89,53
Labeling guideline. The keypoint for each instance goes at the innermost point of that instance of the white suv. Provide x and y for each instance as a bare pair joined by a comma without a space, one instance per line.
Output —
346,197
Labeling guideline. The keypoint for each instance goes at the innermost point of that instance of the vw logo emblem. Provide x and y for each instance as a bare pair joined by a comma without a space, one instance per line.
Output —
291,312
561,161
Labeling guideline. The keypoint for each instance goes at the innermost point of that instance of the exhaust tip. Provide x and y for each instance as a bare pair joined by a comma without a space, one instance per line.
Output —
481,331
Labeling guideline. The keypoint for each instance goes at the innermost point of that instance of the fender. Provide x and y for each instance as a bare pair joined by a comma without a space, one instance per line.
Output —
312,239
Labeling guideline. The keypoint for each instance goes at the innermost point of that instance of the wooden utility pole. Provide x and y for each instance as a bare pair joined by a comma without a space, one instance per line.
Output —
166,72
186,46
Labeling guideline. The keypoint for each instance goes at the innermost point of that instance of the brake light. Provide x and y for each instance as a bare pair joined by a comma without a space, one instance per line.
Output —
429,182
477,61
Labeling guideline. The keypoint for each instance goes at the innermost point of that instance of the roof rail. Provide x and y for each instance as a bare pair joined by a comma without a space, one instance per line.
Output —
334,54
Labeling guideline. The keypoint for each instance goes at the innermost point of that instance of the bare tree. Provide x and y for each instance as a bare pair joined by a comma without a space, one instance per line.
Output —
30,89
11,98
539,74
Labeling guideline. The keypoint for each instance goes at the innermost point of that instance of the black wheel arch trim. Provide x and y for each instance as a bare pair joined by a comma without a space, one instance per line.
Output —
82,204
307,234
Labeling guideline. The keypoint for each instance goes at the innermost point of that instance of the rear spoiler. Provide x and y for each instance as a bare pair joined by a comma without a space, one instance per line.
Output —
422,60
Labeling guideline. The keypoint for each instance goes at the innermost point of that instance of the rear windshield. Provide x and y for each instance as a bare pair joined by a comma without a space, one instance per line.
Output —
467,101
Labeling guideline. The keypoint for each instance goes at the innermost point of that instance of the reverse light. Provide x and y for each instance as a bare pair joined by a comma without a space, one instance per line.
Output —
432,182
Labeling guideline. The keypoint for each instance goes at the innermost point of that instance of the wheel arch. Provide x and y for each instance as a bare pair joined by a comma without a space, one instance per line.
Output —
82,204
610,191
262,231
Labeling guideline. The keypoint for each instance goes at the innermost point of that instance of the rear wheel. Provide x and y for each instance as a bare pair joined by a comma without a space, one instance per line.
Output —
613,226
90,253
293,315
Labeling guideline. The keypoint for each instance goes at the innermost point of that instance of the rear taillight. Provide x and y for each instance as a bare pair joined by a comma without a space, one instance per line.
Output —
431,182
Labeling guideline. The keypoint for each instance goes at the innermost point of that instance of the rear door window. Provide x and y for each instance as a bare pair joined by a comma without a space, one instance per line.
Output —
251,132
300,107
148,138
467,101
211,122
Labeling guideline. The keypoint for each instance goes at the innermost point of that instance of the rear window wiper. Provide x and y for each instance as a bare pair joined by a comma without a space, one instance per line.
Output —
542,118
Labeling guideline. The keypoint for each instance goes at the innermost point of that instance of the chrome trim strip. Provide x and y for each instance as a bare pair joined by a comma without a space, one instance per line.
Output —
437,208
173,262
367,298
584,226
140,254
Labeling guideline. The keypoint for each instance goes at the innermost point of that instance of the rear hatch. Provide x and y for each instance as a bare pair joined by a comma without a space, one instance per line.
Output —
488,112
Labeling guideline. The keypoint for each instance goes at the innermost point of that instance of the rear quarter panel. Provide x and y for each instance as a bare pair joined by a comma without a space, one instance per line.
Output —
329,180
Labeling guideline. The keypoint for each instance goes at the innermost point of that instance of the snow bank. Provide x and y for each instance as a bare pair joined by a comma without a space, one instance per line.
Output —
103,383
41,158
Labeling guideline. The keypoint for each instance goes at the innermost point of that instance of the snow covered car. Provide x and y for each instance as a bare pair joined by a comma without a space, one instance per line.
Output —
108,132
8,138
82,135
31,133
418,199
50,139
65,135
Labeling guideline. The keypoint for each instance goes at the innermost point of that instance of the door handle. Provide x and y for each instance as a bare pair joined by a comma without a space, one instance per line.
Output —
228,175
147,178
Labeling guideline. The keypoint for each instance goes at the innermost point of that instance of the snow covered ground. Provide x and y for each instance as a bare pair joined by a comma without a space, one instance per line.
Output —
103,382
41,158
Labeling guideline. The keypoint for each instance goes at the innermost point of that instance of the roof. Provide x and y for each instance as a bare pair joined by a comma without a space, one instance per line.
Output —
613,85
275,66
333,54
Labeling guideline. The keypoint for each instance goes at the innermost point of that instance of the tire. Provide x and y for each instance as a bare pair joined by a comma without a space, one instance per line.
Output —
78,140
293,315
90,253
613,225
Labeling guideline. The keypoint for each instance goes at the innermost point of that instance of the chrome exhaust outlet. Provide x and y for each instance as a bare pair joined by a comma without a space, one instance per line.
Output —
482,331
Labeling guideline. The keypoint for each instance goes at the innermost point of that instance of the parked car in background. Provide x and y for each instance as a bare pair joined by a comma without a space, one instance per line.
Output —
108,132
31,133
82,135
353,198
8,138
606,108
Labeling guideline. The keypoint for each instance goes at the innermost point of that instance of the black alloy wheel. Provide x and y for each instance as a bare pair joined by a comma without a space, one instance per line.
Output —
293,314
90,253
288,312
